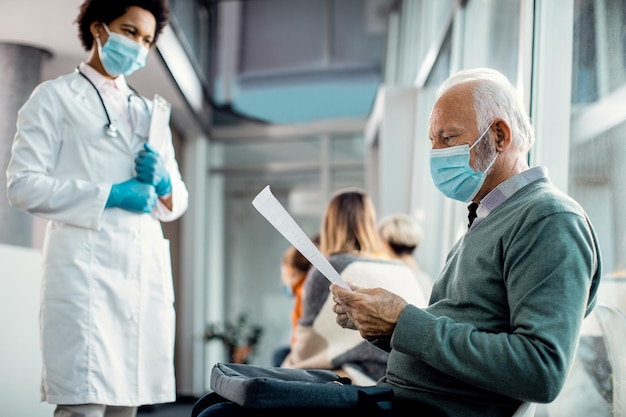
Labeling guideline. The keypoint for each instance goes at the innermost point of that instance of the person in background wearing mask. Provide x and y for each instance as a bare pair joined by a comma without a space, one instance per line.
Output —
83,159
293,271
506,310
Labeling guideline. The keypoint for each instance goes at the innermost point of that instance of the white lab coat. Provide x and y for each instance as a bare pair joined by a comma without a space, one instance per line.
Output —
107,299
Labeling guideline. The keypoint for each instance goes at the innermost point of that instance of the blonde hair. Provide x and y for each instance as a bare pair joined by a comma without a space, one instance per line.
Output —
402,232
349,224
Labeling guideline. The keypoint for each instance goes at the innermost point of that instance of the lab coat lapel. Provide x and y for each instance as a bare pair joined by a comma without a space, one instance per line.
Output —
87,97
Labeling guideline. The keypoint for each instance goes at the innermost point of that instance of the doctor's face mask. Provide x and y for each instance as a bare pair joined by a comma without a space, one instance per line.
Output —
120,55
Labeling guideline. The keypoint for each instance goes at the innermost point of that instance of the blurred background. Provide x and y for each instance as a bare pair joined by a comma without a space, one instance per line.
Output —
310,96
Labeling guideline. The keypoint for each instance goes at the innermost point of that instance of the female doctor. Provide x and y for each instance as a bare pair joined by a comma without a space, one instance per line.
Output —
83,158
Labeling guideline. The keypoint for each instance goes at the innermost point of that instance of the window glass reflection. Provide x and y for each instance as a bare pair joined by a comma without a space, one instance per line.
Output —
598,131
491,35
193,20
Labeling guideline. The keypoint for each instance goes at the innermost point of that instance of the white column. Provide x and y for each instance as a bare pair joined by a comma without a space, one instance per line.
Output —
21,72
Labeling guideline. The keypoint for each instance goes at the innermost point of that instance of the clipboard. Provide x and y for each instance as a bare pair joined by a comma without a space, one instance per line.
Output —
158,133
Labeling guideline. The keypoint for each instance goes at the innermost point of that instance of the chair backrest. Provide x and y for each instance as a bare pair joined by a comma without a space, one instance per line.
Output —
525,410
612,320
596,384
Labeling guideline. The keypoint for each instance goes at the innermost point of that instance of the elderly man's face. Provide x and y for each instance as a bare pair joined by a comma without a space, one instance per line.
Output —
453,121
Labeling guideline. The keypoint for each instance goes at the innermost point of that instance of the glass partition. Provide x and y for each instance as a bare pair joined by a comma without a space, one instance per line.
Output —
598,123
192,19
491,35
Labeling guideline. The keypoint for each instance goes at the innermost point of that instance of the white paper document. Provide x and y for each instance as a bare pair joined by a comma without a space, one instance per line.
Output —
275,213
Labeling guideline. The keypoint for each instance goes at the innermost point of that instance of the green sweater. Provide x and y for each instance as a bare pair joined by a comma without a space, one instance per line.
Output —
505,313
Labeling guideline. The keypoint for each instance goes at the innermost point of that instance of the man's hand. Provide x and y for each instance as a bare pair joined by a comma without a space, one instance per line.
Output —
374,312
343,318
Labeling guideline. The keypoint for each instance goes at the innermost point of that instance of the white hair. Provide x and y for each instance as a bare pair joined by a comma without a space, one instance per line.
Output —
495,97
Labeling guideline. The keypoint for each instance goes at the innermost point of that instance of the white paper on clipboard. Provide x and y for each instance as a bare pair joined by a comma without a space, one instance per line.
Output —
275,213
159,122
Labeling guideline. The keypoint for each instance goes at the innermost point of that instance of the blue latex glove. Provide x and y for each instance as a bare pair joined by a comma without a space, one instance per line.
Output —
151,170
132,195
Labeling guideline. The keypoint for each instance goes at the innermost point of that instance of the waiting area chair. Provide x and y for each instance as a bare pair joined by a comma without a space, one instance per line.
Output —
596,385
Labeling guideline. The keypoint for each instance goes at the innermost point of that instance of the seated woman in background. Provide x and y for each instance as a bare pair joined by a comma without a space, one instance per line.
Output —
401,235
350,241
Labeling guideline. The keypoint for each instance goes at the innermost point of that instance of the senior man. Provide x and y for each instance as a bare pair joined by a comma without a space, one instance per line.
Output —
505,312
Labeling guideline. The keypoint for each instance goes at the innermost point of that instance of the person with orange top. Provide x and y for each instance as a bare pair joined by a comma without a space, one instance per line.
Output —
293,272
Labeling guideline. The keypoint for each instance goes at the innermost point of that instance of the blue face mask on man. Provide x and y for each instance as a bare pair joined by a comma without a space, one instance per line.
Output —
120,55
452,174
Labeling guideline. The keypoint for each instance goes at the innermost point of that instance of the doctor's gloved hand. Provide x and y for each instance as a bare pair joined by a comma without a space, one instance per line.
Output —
132,195
151,170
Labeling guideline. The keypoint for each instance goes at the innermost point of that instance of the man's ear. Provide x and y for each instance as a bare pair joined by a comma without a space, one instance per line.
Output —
503,134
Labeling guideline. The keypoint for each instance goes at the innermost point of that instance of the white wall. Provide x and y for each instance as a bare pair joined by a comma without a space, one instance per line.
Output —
20,361
396,141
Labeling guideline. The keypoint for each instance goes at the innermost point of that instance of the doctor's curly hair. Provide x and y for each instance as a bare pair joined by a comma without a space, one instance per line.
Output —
108,10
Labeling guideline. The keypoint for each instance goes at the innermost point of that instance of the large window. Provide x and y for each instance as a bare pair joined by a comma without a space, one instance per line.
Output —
192,20
598,124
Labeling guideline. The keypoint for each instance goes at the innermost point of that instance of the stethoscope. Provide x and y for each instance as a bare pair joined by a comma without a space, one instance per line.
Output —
109,128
